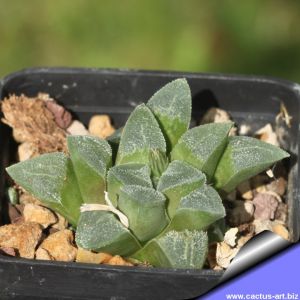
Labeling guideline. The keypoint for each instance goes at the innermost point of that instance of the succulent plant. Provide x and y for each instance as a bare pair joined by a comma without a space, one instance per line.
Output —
151,191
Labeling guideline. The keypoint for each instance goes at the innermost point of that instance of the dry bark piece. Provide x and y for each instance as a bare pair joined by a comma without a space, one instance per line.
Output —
32,122
225,254
231,236
24,237
43,254
100,126
245,190
8,251
62,117
265,206
242,212
39,214
77,128
277,186
60,245
26,151
280,230
86,256
118,261
267,135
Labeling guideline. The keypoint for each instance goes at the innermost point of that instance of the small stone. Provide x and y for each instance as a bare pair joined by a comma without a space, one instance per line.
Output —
62,117
241,213
230,236
281,212
26,151
26,198
86,256
24,237
60,245
265,206
42,254
267,134
225,254
277,186
39,214
61,224
100,126
244,129
77,128
118,261
281,230
262,225
215,115
15,213
8,251
244,189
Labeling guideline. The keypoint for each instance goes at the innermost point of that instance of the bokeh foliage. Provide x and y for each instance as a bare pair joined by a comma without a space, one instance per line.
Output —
250,37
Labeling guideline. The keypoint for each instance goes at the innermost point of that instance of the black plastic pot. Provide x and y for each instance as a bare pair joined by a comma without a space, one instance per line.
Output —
250,100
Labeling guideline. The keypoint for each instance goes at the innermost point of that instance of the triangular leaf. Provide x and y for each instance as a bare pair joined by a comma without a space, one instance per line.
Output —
128,174
243,158
203,146
145,209
198,210
140,134
172,106
101,231
50,178
91,157
183,250
178,181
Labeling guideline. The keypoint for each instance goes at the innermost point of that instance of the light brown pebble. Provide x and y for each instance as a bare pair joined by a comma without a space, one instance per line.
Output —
61,223
77,128
281,230
100,126
42,254
39,214
60,245
118,261
24,237
26,198
26,151
86,256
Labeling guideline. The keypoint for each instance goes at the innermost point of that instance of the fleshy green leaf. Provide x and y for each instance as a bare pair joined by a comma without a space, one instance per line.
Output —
128,174
203,146
140,135
178,181
101,231
114,141
50,178
198,210
172,107
183,250
158,162
145,209
243,158
91,157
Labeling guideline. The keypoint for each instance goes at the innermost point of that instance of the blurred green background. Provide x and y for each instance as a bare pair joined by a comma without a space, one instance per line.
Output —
249,37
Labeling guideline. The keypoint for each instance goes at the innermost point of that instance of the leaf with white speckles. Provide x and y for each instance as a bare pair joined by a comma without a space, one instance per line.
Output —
145,210
128,174
203,146
91,157
172,106
140,135
101,231
178,181
50,178
183,250
243,158
198,210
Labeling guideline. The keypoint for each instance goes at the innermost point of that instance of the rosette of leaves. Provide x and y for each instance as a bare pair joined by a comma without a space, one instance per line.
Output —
165,178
